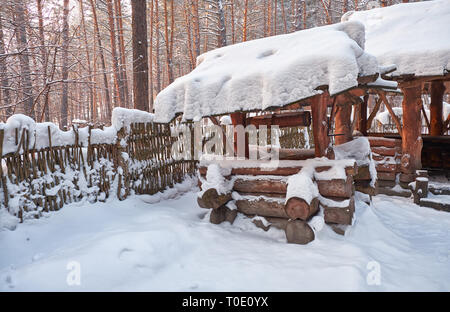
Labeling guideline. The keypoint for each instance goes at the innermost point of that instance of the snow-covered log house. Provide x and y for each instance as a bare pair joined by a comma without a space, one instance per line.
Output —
326,75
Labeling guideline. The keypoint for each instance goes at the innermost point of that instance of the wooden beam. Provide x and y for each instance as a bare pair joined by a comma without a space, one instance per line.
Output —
410,80
436,113
426,118
373,113
447,123
391,111
288,119
362,116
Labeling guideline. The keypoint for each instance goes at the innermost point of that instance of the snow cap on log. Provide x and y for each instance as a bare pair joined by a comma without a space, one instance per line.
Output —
215,179
302,185
413,36
269,72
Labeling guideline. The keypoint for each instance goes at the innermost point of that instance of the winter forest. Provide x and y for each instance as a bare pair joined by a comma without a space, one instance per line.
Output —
72,61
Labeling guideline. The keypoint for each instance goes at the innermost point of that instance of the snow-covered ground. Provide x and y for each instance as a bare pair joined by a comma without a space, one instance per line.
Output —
171,246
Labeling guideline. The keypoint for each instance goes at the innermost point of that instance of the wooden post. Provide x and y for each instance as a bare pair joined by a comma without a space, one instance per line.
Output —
362,122
436,118
239,119
343,127
319,105
411,139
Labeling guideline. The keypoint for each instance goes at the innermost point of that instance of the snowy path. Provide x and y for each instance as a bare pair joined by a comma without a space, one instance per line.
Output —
132,245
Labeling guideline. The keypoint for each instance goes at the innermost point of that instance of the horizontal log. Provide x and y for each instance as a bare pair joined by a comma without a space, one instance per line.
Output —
437,190
385,183
387,176
295,154
386,142
382,158
339,215
288,119
363,173
330,188
261,207
387,167
407,177
260,186
367,79
279,171
349,170
386,151
336,187
426,202
394,192
298,208
364,186
276,195
299,232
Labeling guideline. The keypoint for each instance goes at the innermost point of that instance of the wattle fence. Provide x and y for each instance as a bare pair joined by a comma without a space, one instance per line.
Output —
43,168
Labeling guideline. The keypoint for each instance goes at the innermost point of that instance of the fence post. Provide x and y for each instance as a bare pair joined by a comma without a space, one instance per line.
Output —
3,179
119,161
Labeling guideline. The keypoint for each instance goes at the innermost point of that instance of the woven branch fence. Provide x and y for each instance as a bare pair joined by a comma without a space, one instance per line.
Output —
37,180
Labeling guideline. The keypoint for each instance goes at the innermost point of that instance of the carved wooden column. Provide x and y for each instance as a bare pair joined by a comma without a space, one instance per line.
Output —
436,118
319,104
411,132
342,122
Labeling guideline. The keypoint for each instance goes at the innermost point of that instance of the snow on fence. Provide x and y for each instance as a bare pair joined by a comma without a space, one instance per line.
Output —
43,167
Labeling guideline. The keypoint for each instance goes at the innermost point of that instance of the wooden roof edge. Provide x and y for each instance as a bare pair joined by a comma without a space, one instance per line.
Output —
411,78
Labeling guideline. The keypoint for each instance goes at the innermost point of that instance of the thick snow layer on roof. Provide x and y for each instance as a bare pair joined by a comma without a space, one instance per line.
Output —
269,72
413,36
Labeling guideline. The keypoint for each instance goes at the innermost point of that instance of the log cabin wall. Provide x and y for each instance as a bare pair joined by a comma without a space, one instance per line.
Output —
258,192
387,153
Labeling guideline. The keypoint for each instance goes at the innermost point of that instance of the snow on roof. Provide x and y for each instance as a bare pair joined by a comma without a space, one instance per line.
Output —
413,36
269,72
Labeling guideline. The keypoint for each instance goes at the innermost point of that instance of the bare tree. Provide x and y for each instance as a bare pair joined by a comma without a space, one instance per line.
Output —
4,75
140,57
22,44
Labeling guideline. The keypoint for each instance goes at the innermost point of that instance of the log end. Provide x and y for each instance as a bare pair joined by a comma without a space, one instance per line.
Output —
222,214
299,232
298,208
212,199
